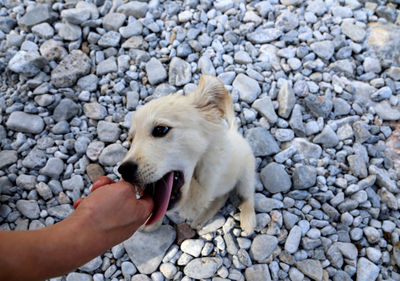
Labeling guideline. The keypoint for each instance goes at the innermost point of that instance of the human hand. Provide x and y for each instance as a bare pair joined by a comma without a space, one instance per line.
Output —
112,209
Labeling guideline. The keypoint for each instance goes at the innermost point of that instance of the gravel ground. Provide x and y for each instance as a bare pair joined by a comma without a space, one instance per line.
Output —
315,87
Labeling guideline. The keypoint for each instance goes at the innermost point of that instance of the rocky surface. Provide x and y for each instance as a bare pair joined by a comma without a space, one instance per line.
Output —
315,89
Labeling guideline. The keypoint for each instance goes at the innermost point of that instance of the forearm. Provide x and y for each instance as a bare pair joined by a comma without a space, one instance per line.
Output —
52,251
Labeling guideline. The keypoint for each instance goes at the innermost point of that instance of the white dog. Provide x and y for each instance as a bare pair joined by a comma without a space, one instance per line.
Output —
186,152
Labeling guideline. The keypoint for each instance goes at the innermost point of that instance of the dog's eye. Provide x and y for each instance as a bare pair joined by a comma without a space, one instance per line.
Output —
160,131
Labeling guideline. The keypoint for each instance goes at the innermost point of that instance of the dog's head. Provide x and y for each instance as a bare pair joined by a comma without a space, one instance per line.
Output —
168,137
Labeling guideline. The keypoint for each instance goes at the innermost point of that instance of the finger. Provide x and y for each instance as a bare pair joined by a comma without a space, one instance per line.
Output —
77,202
101,181
137,189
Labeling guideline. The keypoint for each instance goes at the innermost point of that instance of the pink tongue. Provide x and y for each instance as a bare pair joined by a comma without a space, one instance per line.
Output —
161,198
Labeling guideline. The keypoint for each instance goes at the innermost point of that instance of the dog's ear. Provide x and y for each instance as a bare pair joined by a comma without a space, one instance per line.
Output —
212,98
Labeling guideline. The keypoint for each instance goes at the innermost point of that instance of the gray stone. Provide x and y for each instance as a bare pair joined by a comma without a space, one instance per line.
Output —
275,179
109,39
81,144
284,135
248,88
372,234
132,29
296,121
108,131
36,15
286,100
112,154
223,5
344,66
136,9
264,35
75,181
366,270
52,50
88,83
27,63
372,64
293,240
342,12
263,246
107,66
8,157
26,182
357,165
61,211
180,72
92,265
94,110
304,177
241,57
192,247
75,15
147,259
341,107
69,32
206,66
311,268
53,168
263,204
128,268
156,72
386,111
320,106
43,30
36,158
257,272
65,110
113,21
323,49
76,276
7,24
215,223
61,128
327,137
73,66
287,21
381,94
29,208
201,268
306,149
348,250
262,142
265,107
44,191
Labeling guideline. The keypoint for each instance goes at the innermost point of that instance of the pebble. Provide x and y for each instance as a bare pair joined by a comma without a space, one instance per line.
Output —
28,208
112,154
275,179
155,71
27,63
24,122
263,246
293,240
266,108
108,131
136,9
147,259
8,157
366,270
72,67
286,100
192,247
323,49
94,110
38,14
65,110
264,35
247,87
262,142
304,177
201,268
311,268
179,72
327,137
258,272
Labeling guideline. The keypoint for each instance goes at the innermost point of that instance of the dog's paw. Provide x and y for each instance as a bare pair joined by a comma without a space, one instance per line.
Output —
248,222
247,217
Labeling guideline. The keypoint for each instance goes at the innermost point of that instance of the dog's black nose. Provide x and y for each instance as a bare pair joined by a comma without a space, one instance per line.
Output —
128,171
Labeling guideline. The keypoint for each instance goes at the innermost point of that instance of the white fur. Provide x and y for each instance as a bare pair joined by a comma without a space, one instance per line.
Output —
204,144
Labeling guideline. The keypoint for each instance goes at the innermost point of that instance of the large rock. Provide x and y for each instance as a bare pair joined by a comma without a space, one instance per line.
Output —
27,63
262,142
366,270
24,122
247,87
136,9
201,268
147,250
36,15
72,67
275,179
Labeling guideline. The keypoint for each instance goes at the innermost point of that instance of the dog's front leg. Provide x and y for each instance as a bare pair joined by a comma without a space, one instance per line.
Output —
209,212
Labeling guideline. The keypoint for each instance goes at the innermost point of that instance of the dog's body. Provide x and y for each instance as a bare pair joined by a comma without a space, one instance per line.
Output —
190,146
